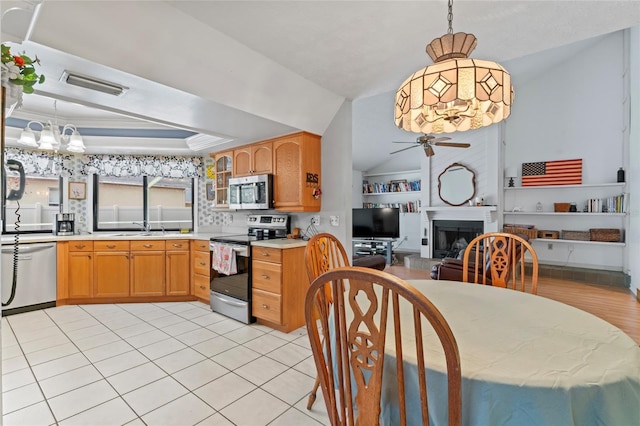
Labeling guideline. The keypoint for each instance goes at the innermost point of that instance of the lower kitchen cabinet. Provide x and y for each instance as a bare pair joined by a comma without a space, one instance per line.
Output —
147,268
279,286
177,281
200,269
80,269
111,269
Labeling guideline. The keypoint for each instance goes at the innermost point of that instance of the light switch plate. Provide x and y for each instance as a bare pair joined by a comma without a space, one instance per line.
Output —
335,220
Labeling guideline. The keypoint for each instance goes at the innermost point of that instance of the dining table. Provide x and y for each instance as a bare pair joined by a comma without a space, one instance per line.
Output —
525,360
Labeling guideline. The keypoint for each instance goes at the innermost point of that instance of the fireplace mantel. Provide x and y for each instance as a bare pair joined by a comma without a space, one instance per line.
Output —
484,213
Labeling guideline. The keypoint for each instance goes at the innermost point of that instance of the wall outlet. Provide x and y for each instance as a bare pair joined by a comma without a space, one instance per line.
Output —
335,220
315,220
570,248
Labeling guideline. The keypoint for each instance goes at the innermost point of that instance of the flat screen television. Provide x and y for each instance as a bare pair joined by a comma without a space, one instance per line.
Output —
376,223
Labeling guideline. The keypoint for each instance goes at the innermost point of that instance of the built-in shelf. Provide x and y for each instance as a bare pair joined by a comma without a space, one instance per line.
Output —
401,172
559,240
458,209
391,193
584,185
574,214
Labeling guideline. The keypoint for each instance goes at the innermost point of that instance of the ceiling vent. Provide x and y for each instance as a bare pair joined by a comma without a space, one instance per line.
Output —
93,83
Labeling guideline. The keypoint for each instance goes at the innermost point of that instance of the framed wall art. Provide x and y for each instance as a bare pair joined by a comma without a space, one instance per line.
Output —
77,190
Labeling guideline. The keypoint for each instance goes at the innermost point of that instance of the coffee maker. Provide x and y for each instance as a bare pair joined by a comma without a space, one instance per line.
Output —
64,224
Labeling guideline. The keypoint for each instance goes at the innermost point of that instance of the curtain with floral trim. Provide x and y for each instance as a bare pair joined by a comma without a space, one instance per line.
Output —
41,163
129,165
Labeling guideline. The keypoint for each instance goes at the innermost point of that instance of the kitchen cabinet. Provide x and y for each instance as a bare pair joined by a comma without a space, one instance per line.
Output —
177,268
200,269
224,169
111,269
253,159
80,269
147,268
296,172
279,285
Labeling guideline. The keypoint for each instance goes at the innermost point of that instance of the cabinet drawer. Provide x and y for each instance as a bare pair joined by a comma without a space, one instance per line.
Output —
267,306
111,245
200,245
201,263
143,245
80,245
267,276
267,254
201,286
173,245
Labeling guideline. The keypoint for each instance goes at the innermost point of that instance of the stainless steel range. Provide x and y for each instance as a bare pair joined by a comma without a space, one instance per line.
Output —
230,287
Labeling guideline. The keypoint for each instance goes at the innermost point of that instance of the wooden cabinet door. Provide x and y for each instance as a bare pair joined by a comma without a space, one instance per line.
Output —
224,169
287,180
201,287
147,273
262,158
80,274
242,161
111,274
177,273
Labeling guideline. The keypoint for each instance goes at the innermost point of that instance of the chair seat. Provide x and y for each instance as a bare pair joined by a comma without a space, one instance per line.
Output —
376,261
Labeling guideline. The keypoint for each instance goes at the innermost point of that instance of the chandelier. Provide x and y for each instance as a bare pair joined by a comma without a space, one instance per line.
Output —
456,93
50,136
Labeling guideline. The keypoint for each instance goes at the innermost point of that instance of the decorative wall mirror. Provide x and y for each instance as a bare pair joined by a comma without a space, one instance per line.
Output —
456,184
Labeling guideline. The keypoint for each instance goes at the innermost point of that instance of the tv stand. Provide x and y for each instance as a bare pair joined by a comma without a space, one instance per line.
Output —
364,247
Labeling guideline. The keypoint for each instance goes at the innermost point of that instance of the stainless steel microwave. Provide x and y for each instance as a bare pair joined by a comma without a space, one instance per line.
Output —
251,192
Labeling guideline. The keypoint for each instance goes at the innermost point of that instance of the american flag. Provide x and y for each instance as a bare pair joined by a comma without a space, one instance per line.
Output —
563,172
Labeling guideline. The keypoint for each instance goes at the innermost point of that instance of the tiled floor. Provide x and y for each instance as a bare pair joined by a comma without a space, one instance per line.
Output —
153,364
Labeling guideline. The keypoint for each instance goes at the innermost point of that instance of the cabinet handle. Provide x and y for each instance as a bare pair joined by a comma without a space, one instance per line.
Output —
202,263
265,306
265,254
89,257
80,246
111,246
177,245
266,277
202,287
147,245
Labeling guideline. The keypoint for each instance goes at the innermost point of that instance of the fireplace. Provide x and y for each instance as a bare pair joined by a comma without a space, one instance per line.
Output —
451,237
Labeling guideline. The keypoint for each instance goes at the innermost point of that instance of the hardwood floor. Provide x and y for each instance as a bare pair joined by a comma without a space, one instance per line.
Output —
615,305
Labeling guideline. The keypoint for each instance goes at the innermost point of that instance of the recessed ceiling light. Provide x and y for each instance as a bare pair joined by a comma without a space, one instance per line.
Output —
93,83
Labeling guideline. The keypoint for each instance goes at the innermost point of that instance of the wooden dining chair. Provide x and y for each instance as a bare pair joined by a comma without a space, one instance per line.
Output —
498,259
323,252
366,311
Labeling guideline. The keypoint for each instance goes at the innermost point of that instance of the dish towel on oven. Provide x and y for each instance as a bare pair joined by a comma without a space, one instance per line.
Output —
223,259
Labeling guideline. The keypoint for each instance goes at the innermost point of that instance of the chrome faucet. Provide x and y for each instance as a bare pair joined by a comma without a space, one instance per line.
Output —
144,226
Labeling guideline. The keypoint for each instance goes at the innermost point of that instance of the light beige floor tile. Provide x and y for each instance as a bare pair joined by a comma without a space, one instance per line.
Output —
14,364
81,399
38,333
208,319
103,352
146,339
82,333
58,366
11,351
179,360
72,313
167,320
225,390
134,330
121,321
261,370
293,335
21,397
114,365
244,334
265,343
162,348
308,367
17,379
225,326
294,416
136,422
215,420
154,395
36,414
136,377
47,342
186,410
214,346
200,374
235,357
8,338
138,308
77,325
256,408
318,411
113,412
196,336
49,354
70,380
303,341
181,327
98,340
176,307
291,386
192,313
290,354
151,316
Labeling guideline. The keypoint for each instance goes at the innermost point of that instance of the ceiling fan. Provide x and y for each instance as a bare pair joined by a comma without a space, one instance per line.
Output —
428,141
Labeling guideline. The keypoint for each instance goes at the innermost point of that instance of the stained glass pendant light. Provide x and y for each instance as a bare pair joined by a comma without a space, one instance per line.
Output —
456,93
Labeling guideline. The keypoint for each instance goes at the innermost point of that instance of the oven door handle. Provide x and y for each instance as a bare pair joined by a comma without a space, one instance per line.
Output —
229,301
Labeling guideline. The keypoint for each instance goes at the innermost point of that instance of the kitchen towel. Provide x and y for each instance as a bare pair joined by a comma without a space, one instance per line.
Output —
223,259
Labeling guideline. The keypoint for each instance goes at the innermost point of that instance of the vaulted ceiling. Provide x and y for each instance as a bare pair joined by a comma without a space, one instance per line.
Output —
248,70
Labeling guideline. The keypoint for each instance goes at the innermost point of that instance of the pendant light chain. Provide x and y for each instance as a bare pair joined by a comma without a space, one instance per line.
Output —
450,17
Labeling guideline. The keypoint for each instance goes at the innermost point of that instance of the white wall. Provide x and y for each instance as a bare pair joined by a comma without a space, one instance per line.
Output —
633,165
573,110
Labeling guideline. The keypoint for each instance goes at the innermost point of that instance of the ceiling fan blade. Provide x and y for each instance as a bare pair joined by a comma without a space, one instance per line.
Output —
403,142
429,151
403,149
453,144
444,138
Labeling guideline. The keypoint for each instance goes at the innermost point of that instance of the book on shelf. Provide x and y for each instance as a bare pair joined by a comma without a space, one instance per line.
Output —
614,204
406,207
392,186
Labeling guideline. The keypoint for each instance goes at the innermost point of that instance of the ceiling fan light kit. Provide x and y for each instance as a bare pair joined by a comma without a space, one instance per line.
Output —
456,93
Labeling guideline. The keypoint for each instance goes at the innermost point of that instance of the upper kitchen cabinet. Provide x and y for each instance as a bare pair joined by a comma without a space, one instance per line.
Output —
224,169
296,172
253,159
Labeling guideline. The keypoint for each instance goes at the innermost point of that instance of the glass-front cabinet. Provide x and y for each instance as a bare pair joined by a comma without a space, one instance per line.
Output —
224,169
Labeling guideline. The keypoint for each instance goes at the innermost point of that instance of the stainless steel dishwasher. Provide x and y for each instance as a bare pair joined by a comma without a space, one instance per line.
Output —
36,284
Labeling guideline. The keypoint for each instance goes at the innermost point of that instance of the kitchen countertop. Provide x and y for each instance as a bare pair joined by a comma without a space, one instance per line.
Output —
43,238
283,243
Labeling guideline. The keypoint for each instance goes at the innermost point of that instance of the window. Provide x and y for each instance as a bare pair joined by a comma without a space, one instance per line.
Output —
131,203
34,210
